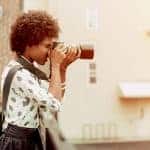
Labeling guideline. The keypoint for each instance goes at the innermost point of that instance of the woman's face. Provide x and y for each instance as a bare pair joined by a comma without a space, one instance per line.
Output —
39,53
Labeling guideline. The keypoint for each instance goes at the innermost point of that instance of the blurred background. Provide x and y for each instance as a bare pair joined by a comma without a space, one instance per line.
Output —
107,101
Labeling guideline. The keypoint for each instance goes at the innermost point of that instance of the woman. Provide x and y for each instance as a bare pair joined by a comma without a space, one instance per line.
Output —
32,37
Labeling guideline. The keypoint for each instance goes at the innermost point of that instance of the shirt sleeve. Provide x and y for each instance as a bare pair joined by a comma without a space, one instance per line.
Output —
28,86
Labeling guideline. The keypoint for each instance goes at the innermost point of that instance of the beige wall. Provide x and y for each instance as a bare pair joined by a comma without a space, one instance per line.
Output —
35,4
10,9
122,53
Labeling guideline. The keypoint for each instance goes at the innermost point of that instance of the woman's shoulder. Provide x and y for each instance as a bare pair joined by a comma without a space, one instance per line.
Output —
7,67
11,64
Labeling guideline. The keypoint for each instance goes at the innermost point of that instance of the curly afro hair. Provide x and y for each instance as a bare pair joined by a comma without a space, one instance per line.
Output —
31,28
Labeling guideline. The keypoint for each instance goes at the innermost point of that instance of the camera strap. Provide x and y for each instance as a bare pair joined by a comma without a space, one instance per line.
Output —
31,68
6,89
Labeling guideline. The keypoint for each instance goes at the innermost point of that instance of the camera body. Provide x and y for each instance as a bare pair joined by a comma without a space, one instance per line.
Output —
85,51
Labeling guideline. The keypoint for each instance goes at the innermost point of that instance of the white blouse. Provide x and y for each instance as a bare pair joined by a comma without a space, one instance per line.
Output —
27,92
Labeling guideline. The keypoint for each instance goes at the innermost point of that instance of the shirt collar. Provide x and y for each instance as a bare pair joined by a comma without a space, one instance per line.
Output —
30,67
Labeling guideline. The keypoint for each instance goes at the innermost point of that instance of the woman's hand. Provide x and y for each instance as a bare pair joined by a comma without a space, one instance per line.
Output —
63,55
71,56
57,55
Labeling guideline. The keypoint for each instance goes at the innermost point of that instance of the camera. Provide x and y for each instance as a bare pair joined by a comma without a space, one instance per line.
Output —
84,51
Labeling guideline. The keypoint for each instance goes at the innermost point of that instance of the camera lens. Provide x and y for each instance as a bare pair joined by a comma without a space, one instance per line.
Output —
85,51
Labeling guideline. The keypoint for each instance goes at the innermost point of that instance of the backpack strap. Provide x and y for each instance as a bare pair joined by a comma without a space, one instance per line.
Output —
6,89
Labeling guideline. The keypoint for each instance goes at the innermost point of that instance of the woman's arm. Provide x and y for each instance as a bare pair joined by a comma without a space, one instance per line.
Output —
58,69
57,82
